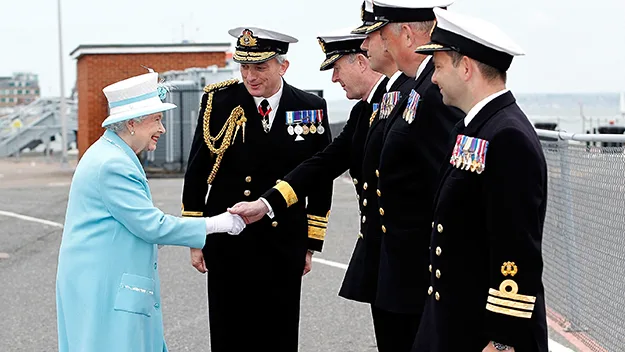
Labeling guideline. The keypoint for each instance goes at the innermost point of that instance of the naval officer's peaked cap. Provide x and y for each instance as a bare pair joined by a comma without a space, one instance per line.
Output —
256,45
472,37
402,11
337,44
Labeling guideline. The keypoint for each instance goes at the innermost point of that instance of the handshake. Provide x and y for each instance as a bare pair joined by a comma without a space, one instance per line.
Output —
236,218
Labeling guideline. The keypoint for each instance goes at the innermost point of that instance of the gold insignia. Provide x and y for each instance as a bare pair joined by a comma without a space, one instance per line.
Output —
507,301
509,268
362,12
430,47
287,193
253,56
322,45
247,38
375,26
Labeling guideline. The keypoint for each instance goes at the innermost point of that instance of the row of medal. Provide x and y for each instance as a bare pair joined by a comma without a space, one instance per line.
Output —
469,154
298,123
389,100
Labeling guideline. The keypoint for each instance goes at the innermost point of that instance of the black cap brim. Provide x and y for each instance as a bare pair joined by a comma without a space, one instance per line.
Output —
377,25
432,47
329,62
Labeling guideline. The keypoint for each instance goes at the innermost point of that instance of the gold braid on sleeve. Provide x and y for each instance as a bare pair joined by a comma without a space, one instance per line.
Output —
236,119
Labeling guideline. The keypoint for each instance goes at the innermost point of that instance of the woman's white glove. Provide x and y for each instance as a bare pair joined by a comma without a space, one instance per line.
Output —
225,222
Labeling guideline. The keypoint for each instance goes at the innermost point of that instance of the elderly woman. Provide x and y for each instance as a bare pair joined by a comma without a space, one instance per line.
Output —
107,289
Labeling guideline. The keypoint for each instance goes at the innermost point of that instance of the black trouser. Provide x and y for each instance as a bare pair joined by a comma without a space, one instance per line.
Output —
394,332
250,313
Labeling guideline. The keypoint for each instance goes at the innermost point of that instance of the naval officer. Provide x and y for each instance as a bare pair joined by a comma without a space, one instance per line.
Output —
485,292
248,136
415,140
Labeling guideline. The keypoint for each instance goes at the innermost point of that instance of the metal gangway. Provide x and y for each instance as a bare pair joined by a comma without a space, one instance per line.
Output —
36,123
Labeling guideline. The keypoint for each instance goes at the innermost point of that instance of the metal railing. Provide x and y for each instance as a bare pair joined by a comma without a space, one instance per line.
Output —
584,236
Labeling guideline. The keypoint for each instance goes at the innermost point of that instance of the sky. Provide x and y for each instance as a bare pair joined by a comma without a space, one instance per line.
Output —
571,46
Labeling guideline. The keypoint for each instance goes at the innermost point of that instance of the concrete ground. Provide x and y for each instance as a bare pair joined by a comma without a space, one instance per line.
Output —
33,196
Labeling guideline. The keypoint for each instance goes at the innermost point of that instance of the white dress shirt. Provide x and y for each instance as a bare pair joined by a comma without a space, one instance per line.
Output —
392,80
370,97
422,66
479,106
273,100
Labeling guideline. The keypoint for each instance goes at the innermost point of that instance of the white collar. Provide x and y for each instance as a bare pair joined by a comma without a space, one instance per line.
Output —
392,80
422,66
479,106
370,97
273,100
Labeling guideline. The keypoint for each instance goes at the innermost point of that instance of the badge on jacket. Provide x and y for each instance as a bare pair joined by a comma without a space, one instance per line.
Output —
389,100
304,122
469,153
411,107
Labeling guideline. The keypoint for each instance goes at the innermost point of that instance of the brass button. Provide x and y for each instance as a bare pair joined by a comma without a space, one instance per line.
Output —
360,235
274,224
432,224
430,268
247,192
364,202
355,181
364,218
365,186
358,196
381,211
379,193
440,228
248,179
383,228
437,296
430,290
439,251
377,173
438,274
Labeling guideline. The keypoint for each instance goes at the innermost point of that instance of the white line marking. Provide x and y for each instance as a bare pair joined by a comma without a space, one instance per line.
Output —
28,218
553,346
556,347
329,263
58,184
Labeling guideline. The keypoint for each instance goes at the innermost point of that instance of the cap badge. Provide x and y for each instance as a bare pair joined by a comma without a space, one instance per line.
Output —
247,38
322,45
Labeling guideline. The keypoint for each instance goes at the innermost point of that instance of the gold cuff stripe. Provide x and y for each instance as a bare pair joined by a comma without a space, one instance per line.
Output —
193,213
514,296
318,218
287,192
253,56
316,233
510,304
510,312
318,223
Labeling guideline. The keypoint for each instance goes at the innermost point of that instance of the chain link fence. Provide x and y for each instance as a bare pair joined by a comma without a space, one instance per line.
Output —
584,237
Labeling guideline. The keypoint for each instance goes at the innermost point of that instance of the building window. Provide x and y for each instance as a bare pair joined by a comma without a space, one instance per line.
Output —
19,92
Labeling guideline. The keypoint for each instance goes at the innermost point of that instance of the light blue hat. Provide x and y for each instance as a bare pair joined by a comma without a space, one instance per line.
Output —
134,97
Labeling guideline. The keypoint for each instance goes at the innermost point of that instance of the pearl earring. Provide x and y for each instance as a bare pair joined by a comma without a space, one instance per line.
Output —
132,133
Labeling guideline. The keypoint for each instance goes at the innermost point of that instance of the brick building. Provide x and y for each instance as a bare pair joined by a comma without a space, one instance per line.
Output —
101,65
20,89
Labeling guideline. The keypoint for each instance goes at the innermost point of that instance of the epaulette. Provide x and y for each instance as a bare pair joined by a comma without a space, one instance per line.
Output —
221,85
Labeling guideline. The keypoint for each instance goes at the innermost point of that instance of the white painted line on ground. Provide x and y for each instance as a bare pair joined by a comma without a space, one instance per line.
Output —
556,347
553,346
329,263
29,218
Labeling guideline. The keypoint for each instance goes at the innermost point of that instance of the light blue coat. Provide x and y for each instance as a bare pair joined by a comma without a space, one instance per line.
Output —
107,289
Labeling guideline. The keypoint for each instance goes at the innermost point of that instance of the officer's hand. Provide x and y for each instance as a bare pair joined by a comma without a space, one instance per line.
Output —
491,348
197,260
250,211
308,265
